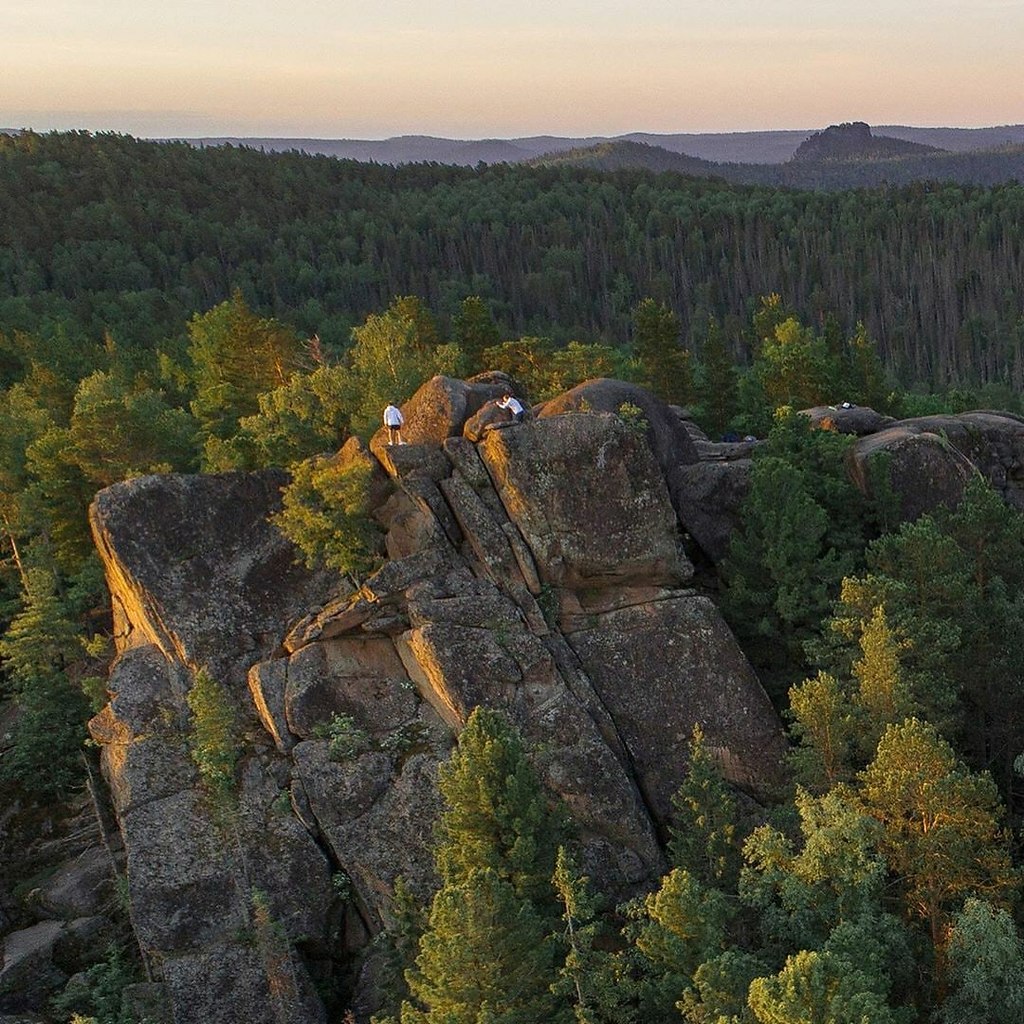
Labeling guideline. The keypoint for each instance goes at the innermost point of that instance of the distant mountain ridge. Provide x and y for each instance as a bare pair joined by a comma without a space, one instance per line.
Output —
842,161
764,147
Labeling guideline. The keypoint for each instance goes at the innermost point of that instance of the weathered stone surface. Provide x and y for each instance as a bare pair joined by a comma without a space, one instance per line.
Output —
196,568
666,433
413,460
267,683
458,667
257,982
930,459
410,527
490,417
186,890
588,498
146,1001
358,676
376,814
83,942
663,667
82,887
336,617
28,975
848,419
440,408
710,496
395,577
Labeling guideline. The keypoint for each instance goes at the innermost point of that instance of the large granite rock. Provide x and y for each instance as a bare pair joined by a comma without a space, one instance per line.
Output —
927,461
848,419
440,408
589,499
537,571
196,568
661,668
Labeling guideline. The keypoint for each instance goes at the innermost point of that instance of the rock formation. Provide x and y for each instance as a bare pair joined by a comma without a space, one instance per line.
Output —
541,570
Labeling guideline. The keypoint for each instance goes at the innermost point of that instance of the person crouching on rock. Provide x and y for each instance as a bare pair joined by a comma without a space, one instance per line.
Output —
394,420
513,405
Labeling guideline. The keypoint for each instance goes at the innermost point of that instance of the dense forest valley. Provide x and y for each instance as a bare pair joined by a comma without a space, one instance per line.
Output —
171,309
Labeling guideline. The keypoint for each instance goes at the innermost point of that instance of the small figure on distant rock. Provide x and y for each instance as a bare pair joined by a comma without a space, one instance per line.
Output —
393,420
513,405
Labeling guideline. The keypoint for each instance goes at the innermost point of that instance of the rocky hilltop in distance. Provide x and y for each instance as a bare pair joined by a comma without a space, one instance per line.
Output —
546,569
854,141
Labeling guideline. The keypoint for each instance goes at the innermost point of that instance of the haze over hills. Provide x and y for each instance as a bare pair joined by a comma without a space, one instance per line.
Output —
756,147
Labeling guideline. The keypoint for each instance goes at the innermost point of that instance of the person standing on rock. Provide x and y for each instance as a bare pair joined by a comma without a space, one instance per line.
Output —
513,405
394,420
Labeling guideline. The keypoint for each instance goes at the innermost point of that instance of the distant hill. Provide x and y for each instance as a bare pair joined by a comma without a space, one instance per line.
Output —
768,147
958,140
842,157
853,141
623,154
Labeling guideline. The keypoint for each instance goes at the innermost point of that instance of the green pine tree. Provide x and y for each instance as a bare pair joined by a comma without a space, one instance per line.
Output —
489,952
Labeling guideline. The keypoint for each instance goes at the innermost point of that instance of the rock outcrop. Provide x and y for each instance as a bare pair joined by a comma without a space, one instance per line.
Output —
927,461
542,571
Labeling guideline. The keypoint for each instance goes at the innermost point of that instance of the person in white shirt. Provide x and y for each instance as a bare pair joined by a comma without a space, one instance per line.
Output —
513,405
393,420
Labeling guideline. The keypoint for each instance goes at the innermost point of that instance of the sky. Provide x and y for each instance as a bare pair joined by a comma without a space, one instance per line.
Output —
495,68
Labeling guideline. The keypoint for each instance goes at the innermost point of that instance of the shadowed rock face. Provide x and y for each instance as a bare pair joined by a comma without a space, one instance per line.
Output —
927,461
539,571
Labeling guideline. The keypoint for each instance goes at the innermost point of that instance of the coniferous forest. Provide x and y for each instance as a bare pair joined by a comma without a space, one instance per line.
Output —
166,308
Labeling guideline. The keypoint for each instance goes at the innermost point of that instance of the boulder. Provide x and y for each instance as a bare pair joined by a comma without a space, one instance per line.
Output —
197,568
28,975
80,888
664,667
710,496
929,460
589,500
491,417
668,437
848,419
261,981
440,408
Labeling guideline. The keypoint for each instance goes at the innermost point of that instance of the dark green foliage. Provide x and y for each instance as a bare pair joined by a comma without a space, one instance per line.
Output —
986,959
804,528
704,821
716,389
40,647
474,331
392,355
488,953
326,514
664,363
496,814
236,356
214,741
97,995
301,418
934,272
950,585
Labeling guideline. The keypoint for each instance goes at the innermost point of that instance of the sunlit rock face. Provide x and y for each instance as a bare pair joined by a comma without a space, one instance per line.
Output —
540,569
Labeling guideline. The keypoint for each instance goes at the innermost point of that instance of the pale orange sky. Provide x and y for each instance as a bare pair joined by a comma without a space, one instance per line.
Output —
316,68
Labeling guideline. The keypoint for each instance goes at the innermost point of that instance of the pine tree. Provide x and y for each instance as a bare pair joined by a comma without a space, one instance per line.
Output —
236,355
488,952
38,649
704,839
717,391
656,342
941,833
474,331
